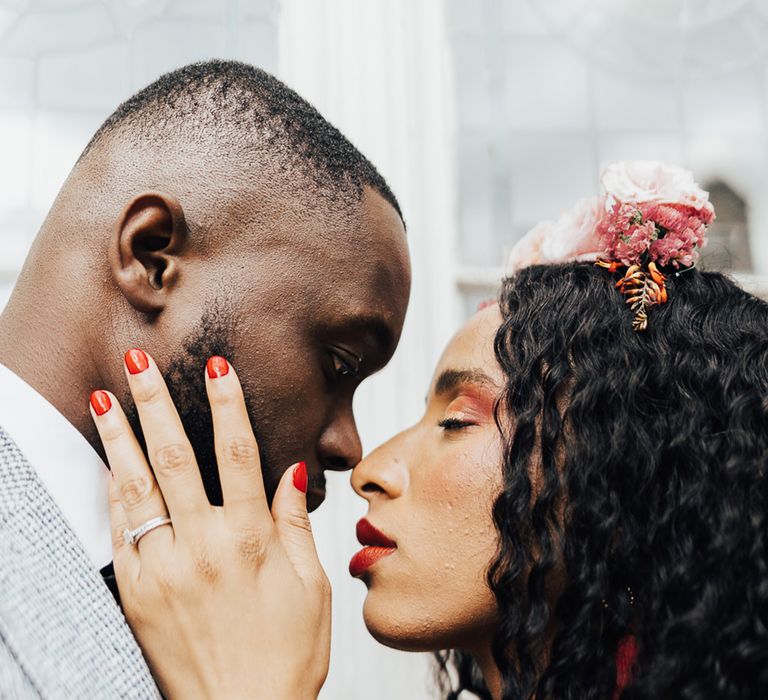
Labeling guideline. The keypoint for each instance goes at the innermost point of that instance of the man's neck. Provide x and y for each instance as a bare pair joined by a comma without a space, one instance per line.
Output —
53,358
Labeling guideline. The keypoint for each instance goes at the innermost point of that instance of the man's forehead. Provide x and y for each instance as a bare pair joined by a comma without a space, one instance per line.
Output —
285,206
371,231
362,265
341,271
369,330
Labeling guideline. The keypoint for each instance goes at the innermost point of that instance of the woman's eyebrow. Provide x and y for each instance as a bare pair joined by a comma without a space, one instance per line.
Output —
451,379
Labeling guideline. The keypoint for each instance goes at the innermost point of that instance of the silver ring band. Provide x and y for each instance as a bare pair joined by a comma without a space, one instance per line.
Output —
133,536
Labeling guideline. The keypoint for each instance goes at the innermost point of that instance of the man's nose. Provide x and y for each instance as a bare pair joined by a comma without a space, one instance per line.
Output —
339,447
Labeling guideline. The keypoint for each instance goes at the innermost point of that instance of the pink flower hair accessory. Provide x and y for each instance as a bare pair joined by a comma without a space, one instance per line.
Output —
651,217
572,237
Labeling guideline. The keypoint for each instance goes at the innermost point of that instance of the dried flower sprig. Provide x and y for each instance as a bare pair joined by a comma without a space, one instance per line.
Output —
642,287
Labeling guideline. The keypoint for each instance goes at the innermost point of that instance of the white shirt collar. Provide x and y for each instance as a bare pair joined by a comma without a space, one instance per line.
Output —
68,466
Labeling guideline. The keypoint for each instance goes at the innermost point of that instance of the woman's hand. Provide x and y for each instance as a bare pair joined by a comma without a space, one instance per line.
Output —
227,602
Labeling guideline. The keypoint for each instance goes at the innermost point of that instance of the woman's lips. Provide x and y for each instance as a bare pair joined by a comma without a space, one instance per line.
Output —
367,534
366,558
377,545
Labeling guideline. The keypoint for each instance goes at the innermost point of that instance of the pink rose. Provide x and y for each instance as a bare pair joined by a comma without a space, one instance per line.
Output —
527,251
651,211
572,237
638,181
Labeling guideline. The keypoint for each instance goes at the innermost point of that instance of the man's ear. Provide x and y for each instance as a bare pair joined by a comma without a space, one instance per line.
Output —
147,242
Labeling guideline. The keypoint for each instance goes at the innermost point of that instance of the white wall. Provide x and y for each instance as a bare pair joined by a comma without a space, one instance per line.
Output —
66,64
549,91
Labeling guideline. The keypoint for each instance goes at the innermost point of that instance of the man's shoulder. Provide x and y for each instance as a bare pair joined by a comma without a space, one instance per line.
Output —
16,475
58,621
37,547
14,682
26,504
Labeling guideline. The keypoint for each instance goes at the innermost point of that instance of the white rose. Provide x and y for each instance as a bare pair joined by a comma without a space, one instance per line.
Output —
571,237
652,181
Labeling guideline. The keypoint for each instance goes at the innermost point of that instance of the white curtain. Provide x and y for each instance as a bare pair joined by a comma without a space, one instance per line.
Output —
379,71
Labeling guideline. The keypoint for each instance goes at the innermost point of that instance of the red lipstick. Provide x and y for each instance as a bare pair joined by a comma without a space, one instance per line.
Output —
376,545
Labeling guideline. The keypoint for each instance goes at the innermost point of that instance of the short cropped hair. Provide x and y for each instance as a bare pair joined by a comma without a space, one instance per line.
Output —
250,110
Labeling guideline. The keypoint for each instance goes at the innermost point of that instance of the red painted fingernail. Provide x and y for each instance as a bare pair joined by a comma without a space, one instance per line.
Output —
100,402
300,476
217,367
136,361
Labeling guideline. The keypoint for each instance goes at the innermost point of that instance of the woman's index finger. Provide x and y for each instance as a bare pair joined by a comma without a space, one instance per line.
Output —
169,450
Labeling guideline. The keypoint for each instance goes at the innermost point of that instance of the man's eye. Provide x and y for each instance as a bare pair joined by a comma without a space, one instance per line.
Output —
344,365
454,424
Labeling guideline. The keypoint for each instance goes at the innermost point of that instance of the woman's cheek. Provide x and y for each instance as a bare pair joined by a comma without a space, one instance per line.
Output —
473,469
458,492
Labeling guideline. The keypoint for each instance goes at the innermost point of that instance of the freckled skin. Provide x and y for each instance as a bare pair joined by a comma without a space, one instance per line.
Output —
431,490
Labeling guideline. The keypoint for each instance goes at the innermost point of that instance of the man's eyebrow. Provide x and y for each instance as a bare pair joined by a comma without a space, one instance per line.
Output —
450,379
371,327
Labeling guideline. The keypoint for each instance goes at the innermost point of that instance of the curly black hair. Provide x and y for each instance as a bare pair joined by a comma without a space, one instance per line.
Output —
649,450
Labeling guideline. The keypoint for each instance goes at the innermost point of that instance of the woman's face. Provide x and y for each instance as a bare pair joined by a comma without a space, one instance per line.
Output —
430,492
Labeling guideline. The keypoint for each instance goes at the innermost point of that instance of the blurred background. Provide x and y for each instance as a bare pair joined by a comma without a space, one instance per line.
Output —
484,116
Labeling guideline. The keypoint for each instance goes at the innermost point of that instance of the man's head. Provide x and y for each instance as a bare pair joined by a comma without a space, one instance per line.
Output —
217,212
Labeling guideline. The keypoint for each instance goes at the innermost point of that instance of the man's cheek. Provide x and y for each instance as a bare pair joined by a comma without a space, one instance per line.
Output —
272,476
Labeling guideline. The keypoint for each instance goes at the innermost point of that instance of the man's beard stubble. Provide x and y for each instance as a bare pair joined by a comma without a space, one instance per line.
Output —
185,378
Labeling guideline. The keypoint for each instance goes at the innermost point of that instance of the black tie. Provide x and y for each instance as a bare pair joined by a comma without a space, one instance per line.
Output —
108,574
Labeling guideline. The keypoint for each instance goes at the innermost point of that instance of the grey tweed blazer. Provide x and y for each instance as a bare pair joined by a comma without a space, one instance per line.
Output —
61,633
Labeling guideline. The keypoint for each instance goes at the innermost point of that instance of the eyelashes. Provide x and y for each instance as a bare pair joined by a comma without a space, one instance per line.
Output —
344,364
454,424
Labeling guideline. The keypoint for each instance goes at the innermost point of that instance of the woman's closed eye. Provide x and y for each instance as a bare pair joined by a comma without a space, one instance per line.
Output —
455,423
464,411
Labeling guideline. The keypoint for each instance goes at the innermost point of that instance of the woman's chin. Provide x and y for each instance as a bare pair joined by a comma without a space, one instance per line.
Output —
401,631
401,640
421,623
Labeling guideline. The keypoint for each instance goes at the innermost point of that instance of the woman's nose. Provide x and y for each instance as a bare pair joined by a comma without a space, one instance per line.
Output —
384,471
